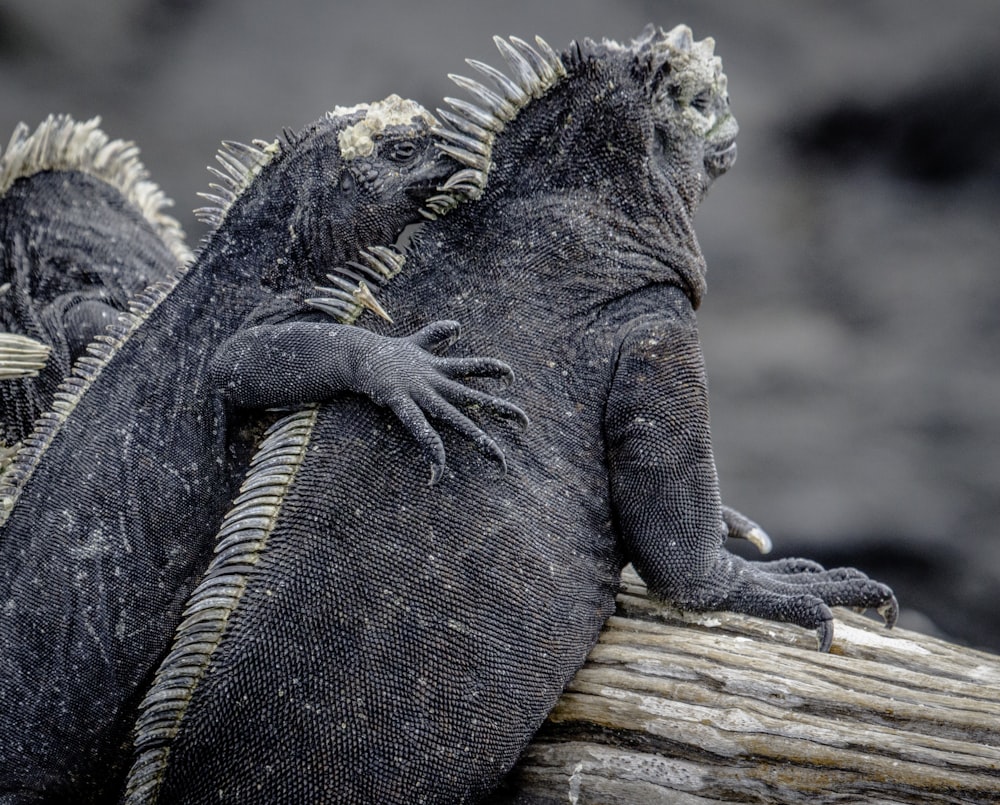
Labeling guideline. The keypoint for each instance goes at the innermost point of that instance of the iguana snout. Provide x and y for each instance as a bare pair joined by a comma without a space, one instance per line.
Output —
691,101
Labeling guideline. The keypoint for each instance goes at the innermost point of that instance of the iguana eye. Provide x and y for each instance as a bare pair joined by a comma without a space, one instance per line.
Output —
346,182
403,151
702,101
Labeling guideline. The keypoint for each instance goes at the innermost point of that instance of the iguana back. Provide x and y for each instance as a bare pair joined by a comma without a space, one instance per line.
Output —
81,230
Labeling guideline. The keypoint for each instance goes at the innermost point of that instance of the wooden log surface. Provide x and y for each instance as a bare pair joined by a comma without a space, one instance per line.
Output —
674,708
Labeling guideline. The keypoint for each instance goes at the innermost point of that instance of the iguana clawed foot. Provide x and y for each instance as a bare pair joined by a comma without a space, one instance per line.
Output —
797,591
431,387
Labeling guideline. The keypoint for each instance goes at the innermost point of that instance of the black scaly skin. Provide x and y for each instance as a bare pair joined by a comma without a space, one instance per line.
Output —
115,498
379,640
81,230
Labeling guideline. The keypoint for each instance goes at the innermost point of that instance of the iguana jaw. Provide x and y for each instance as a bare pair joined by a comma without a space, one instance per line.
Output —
430,175
719,160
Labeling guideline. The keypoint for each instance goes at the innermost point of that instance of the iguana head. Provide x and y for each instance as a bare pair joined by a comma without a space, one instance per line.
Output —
643,126
356,177
389,168
690,102
663,96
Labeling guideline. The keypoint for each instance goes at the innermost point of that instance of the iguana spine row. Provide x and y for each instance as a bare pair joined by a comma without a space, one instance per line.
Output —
473,128
241,540
61,143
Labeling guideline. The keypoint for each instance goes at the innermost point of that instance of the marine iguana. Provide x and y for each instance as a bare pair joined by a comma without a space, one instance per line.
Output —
115,497
81,230
362,637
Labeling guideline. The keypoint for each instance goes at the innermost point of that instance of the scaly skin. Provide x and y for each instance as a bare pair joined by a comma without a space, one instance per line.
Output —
114,501
381,640
81,230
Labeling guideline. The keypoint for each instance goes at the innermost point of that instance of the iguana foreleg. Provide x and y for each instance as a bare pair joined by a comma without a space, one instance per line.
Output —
666,492
301,362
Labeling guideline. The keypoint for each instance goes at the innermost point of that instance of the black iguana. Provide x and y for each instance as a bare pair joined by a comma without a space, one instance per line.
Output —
115,497
361,637
81,230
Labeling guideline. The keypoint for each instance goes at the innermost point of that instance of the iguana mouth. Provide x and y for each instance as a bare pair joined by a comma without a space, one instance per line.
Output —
430,175
720,158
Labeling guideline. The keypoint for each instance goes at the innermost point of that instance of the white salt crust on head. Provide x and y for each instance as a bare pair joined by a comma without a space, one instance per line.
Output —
358,140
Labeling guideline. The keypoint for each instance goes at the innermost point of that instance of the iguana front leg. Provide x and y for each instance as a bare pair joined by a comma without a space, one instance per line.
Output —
296,362
666,493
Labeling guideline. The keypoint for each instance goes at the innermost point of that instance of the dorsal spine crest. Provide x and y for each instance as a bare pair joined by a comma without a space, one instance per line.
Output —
60,143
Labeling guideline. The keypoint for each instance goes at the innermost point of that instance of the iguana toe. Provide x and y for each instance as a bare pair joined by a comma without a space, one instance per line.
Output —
739,526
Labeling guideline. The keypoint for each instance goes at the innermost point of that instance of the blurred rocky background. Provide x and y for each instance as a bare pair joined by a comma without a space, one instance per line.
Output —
852,326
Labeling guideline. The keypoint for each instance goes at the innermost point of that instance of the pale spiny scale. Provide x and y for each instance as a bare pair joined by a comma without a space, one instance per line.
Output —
527,78
386,259
22,356
476,161
208,215
463,124
235,168
465,178
681,37
225,177
511,91
219,201
474,145
473,113
250,154
224,192
358,272
342,285
338,309
445,202
500,107
549,56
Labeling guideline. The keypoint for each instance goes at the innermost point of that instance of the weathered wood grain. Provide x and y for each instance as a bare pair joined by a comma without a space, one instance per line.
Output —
695,709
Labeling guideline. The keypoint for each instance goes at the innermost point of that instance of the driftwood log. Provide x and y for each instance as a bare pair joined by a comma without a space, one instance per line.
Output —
672,708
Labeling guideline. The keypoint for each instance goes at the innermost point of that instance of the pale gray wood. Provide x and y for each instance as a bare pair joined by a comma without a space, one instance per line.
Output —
673,708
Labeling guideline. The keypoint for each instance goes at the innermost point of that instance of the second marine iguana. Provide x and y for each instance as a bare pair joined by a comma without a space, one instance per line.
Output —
81,230
114,499
360,637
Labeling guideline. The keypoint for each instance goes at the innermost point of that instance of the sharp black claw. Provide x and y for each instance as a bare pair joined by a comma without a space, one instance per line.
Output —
437,472
501,460
825,634
889,612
